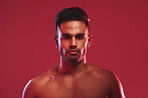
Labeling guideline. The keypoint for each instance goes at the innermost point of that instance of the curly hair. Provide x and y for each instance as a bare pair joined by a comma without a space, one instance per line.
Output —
72,14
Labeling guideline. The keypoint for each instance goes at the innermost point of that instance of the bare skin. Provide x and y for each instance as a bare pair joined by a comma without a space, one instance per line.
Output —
88,82
74,77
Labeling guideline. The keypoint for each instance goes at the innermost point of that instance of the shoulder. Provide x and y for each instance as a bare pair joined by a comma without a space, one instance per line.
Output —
35,84
100,72
110,79
103,74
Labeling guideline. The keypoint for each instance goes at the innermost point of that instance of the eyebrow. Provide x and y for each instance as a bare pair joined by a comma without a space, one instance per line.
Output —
81,34
66,34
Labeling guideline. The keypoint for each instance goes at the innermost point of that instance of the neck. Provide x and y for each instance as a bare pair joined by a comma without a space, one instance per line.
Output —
71,68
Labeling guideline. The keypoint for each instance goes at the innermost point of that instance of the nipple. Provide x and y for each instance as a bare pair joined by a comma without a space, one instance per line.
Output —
52,78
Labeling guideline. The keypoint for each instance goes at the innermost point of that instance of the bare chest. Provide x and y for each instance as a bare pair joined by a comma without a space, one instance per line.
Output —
80,87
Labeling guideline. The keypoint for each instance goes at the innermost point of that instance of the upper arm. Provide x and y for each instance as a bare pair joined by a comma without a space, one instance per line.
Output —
116,88
33,87
28,91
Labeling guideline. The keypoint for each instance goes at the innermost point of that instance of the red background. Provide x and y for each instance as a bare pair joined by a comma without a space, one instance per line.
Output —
120,41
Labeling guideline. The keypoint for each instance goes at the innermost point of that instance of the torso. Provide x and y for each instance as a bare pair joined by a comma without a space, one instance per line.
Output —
93,82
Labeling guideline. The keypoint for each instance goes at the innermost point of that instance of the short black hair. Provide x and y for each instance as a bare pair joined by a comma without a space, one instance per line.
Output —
72,14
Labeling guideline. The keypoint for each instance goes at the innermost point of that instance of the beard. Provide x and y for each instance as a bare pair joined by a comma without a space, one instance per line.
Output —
73,58
69,57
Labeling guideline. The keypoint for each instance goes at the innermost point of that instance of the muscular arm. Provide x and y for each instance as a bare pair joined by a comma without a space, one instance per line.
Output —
116,88
34,86
28,90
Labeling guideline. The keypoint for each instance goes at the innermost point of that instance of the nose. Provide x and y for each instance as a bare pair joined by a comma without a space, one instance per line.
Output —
73,43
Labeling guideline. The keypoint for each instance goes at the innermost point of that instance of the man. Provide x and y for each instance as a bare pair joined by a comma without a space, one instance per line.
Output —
74,77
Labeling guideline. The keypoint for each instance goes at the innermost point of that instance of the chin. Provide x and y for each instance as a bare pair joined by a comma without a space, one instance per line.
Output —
73,59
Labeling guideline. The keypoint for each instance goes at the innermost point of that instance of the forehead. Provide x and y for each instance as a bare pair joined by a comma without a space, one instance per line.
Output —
73,27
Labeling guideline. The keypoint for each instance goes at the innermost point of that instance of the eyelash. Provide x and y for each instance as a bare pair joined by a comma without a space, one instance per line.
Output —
77,37
66,37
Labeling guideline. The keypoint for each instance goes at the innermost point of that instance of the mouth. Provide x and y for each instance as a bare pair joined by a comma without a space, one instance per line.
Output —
73,51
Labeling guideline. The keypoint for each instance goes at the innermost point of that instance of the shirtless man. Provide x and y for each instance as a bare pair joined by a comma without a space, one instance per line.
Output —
74,77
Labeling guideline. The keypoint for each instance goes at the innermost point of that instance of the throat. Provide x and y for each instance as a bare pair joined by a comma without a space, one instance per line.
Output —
72,68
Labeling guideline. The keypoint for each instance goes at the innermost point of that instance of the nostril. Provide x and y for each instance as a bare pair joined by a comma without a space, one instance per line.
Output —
72,46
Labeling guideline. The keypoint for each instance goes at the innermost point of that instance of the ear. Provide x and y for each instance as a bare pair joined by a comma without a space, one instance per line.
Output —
89,40
56,41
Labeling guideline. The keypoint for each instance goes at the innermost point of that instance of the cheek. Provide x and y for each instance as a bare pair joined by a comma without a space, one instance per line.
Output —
64,44
83,44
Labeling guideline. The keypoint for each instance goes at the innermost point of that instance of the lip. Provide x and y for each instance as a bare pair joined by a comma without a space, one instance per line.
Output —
73,52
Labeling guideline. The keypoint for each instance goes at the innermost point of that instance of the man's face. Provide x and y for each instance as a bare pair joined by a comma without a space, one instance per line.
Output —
72,40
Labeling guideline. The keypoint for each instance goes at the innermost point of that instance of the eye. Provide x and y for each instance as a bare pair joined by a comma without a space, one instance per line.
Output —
79,37
66,37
